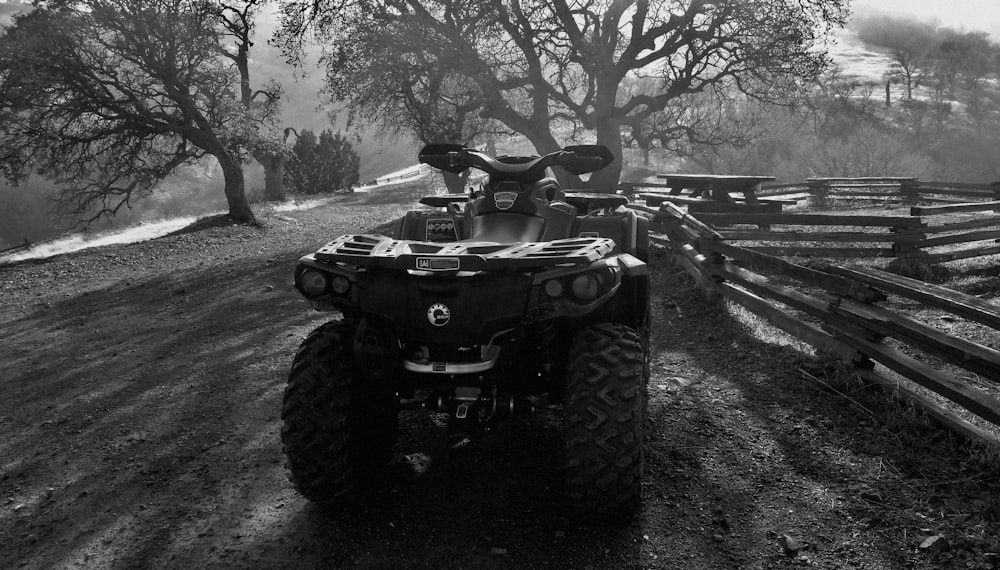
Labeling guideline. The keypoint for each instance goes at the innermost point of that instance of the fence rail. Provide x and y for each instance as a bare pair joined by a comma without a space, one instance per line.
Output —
910,239
906,189
844,318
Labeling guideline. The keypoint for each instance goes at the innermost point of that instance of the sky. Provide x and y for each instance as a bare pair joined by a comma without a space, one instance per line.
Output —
970,15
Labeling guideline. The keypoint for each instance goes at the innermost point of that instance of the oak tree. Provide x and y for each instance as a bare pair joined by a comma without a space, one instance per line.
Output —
544,68
107,97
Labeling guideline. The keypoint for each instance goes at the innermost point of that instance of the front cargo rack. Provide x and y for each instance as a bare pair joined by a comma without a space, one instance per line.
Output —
381,251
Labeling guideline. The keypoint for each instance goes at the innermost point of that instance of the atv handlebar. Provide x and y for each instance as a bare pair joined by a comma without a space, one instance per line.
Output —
579,159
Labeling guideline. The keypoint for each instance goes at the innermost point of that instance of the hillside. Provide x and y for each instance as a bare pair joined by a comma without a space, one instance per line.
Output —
8,10
858,61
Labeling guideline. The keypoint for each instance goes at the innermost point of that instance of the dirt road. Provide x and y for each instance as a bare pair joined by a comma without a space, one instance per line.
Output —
141,388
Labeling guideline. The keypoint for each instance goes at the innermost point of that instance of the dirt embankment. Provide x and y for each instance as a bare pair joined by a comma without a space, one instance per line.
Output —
140,419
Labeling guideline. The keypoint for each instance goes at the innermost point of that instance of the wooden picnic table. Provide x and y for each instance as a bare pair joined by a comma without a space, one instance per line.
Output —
716,186
655,199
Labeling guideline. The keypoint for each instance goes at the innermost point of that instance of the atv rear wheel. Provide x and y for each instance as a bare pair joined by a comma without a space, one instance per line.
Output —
338,430
604,409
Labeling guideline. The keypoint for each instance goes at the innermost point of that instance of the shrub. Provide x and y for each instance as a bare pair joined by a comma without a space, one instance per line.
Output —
321,164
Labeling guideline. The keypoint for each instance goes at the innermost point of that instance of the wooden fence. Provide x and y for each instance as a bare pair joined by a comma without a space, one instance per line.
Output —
835,308
914,239
905,189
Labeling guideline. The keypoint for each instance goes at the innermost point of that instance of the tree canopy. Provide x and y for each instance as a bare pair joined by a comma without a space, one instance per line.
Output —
107,97
550,69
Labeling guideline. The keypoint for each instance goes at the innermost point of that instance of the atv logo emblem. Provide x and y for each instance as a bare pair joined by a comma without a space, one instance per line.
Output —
438,263
504,200
439,314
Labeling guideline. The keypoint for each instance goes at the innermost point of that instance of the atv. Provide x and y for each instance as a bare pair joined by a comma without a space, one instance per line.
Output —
482,308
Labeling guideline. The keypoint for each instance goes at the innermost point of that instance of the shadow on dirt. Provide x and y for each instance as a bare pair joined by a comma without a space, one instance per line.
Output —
859,454
201,224
141,428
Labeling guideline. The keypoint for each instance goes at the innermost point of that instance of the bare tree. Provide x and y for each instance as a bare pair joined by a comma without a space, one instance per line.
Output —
107,97
909,65
695,124
538,65
909,43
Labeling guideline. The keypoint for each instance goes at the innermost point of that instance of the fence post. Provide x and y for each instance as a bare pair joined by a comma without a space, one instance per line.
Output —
820,192
860,360
910,189
911,261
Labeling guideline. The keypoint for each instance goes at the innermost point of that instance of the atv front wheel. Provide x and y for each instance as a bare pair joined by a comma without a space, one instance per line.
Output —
338,430
604,409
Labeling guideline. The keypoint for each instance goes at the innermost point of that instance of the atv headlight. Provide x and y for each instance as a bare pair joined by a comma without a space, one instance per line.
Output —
586,287
314,283
341,285
554,288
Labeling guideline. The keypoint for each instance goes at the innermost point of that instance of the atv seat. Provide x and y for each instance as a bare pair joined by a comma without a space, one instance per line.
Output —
507,228
508,214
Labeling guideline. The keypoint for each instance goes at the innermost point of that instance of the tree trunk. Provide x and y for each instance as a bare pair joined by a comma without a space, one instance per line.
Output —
455,182
239,206
544,143
606,180
274,176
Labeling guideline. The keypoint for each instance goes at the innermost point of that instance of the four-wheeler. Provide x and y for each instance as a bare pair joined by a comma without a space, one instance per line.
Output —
481,308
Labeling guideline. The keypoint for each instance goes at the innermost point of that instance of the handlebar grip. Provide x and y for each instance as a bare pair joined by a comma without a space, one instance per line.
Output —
431,158
588,162
455,161
580,164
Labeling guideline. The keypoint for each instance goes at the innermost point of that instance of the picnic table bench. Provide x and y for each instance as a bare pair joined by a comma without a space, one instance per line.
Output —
716,186
655,199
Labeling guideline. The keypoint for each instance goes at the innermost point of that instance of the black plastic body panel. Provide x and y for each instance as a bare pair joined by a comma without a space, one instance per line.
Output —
477,306
436,227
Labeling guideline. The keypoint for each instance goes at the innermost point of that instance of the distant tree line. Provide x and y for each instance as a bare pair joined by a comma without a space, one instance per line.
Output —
926,55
